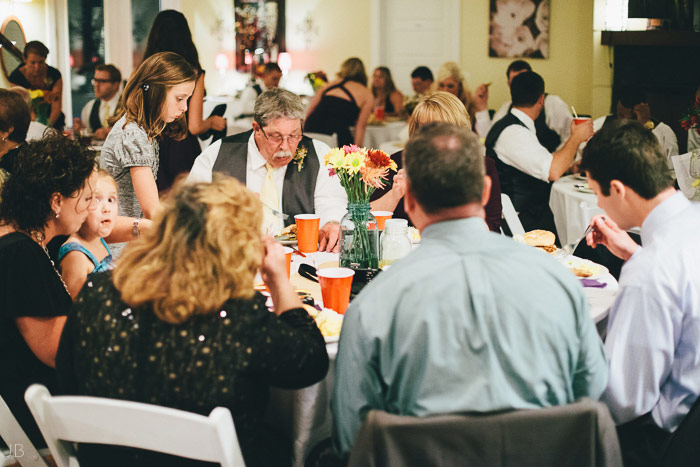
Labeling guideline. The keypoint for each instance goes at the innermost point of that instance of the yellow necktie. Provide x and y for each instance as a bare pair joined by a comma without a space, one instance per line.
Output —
269,196
105,114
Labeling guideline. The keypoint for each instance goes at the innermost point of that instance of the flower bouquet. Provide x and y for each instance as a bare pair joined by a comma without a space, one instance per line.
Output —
360,171
318,79
41,108
692,118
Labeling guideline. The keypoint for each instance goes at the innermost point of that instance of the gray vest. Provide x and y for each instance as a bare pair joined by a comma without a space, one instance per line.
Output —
299,185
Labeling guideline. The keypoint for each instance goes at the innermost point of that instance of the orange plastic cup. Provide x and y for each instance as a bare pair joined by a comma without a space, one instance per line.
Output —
381,217
288,256
580,120
307,232
335,287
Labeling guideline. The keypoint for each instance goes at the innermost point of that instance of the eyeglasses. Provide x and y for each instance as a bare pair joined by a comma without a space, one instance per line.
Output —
96,80
279,139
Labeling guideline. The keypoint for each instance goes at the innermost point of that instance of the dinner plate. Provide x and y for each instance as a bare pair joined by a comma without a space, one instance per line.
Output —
285,240
597,270
580,177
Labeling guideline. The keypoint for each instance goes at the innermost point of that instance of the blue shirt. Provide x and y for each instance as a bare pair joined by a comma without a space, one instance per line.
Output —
470,321
653,340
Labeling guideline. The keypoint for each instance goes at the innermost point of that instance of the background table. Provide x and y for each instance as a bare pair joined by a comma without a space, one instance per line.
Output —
565,202
376,135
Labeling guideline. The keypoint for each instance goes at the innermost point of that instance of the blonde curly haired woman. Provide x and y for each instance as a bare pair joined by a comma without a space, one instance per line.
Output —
451,79
178,323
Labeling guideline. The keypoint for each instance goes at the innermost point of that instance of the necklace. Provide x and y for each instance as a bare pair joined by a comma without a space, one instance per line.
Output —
39,238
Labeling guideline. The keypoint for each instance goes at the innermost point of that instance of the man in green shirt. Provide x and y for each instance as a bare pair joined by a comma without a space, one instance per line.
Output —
471,320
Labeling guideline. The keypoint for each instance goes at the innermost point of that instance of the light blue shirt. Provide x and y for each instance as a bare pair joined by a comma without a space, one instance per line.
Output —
653,340
470,321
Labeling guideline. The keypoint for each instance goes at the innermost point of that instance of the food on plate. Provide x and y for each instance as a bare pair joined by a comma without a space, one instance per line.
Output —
289,232
584,268
328,321
542,239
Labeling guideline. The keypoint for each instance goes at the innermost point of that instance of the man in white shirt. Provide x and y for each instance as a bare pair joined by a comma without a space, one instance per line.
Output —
525,166
270,79
553,124
285,167
653,338
632,104
36,129
95,113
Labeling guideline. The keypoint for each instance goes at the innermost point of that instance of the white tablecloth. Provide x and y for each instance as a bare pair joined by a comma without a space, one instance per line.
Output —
304,415
565,202
376,135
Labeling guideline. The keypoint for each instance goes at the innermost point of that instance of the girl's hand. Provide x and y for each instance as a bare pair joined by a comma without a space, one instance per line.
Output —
274,264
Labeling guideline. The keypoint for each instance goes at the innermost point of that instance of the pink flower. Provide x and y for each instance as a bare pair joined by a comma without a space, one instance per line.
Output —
331,172
349,149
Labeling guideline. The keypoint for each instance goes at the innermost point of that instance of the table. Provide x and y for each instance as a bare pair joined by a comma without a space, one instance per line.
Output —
565,201
376,135
304,415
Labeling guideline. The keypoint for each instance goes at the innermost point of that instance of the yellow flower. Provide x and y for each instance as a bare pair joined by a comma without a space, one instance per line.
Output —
354,162
34,93
334,158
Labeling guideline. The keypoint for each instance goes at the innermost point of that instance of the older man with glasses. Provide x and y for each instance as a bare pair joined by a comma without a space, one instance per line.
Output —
285,167
96,113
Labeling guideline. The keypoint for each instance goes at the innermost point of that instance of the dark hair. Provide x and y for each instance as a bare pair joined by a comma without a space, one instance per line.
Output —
444,166
422,72
171,33
36,48
145,94
114,73
14,114
526,88
625,150
518,65
389,85
54,164
629,96
272,66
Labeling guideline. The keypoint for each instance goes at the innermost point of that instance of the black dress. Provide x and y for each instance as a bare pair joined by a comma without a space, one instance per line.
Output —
227,358
29,287
43,109
334,115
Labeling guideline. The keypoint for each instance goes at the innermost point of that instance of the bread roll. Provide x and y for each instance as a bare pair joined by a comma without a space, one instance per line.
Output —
539,238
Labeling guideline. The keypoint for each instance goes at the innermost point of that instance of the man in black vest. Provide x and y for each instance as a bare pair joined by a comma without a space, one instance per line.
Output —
285,167
552,125
270,79
96,112
525,167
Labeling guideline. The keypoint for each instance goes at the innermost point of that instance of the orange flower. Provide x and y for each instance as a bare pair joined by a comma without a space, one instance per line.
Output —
379,158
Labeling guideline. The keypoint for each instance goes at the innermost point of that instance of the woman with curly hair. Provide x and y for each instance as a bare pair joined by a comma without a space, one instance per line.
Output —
341,104
48,193
183,326
154,102
451,79
385,93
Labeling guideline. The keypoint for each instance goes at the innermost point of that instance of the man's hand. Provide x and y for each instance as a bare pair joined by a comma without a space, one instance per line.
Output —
481,97
101,133
606,232
399,187
581,132
274,265
329,237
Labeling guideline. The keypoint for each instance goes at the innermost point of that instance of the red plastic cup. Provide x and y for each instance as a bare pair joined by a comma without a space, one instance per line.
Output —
335,287
580,120
288,256
381,217
307,232
379,112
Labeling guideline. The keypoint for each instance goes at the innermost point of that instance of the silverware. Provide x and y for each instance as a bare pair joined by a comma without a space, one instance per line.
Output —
297,251
571,247
276,213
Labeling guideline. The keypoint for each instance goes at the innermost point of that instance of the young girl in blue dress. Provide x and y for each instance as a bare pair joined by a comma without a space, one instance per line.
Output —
86,251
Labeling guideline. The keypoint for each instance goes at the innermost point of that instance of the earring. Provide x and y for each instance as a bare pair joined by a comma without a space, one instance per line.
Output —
58,214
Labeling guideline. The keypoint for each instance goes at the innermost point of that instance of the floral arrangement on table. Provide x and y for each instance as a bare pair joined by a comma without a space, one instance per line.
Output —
691,120
360,171
40,106
410,102
317,79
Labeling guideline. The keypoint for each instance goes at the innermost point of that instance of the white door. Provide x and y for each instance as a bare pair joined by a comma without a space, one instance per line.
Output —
409,33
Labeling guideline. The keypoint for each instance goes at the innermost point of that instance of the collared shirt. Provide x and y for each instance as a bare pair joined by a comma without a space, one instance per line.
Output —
518,146
110,105
248,96
470,321
557,117
330,199
653,340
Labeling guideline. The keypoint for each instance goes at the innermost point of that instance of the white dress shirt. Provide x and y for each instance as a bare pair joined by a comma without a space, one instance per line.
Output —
518,147
693,139
107,109
330,200
653,340
248,96
557,116
37,130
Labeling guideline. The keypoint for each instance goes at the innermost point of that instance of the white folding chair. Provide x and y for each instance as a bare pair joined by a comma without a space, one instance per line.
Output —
587,213
511,216
330,140
64,420
21,450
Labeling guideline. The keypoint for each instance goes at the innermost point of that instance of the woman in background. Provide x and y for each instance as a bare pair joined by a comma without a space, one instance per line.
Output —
184,327
171,33
341,104
34,74
437,107
385,93
451,79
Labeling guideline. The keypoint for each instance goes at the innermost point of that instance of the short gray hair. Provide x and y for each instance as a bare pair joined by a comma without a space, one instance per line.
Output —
277,103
